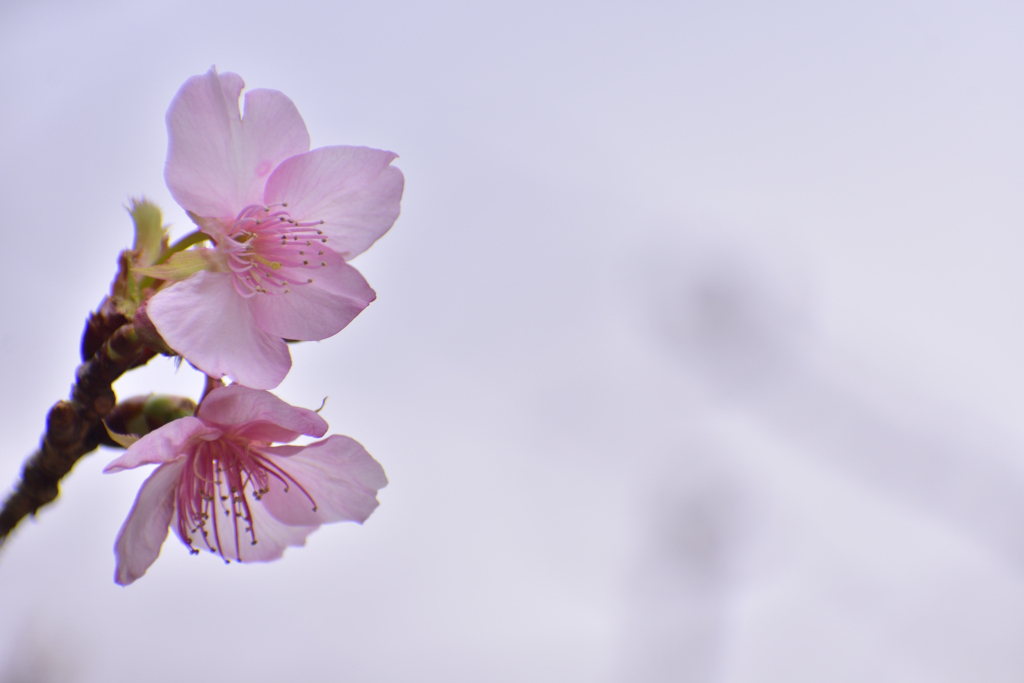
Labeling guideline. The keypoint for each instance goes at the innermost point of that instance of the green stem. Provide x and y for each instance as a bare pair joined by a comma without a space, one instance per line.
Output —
184,243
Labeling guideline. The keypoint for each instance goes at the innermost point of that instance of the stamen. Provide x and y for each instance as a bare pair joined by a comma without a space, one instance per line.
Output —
273,469
267,243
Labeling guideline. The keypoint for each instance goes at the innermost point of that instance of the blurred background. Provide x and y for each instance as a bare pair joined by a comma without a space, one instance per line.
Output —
696,357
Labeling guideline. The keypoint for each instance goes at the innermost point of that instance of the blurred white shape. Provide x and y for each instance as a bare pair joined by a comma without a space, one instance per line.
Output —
852,465
739,326
694,524
737,317
41,653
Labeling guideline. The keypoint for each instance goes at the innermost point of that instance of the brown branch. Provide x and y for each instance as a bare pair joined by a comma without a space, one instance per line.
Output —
75,427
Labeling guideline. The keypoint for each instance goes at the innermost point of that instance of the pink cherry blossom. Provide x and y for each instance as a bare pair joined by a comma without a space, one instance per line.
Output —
223,487
284,221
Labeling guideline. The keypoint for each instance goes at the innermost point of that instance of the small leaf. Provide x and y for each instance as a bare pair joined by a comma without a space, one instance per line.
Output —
122,440
150,234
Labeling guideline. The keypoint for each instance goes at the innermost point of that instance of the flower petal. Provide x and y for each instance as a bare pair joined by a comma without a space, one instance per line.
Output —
354,190
272,537
264,416
144,532
163,445
217,161
205,320
337,473
315,310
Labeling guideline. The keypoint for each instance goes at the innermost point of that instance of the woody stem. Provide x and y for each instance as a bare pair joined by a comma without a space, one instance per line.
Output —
75,427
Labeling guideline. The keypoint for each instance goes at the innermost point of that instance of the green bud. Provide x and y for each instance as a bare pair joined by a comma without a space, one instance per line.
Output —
160,409
139,415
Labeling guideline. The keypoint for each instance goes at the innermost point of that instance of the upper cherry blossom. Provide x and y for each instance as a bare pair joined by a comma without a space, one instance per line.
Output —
224,488
284,220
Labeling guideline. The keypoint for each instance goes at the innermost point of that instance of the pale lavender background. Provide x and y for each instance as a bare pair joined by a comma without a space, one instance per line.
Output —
697,354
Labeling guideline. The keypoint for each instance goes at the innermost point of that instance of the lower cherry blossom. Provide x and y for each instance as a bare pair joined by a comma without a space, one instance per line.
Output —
224,488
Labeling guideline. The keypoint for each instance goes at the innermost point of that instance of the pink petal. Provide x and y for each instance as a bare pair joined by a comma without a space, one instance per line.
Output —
336,473
205,320
354,190
217,161
272,537
144,532
263,416
317,310
231,537
164,444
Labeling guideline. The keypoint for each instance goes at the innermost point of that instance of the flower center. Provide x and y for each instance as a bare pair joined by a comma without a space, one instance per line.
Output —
221,481
269,251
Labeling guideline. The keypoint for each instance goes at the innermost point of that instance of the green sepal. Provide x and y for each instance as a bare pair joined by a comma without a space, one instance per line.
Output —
184,264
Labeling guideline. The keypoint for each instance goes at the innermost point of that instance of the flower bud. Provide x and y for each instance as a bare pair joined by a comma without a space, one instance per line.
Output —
140,415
